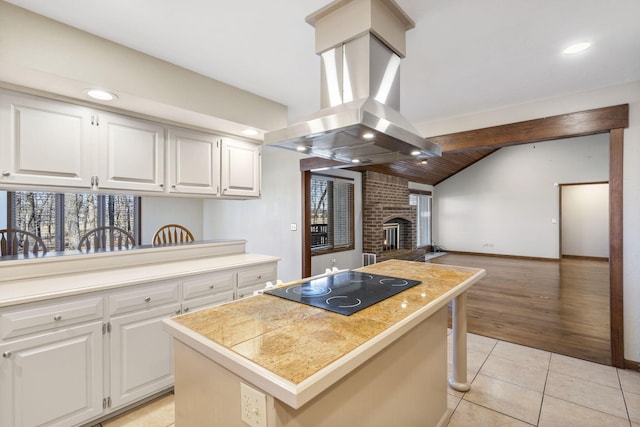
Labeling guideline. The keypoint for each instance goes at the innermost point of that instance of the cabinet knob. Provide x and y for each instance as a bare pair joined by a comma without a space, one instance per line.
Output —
259,276
147,299
161,185
186,309
178,311
211,286
6,354
6,173
57,317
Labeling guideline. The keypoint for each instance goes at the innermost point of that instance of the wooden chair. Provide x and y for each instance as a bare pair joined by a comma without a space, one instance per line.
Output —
21,242
172,233
106,238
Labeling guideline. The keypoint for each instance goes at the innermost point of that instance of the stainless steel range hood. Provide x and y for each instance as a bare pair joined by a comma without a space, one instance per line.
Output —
360,120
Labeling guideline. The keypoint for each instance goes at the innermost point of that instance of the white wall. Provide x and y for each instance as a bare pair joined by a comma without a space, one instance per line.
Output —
506,203
158,211
345,259
265,223
585,220
621,94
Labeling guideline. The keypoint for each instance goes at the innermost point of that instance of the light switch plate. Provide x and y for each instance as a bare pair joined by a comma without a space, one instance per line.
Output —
294,227
253,405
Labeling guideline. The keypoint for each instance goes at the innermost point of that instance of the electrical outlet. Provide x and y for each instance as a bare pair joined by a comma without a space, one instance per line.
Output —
253,405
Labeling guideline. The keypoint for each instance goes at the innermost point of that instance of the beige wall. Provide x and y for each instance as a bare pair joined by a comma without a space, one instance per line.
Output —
43,54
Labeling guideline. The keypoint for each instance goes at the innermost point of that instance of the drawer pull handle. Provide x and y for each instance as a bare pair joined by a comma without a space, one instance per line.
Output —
57,318
186,309
147,299
259,276
211,286
178,311
6,173
6,354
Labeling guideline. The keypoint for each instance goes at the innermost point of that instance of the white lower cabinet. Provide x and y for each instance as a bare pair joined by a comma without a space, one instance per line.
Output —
53,379
68,361
141,355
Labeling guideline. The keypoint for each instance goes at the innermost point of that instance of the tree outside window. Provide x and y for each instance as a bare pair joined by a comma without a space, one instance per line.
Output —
62,219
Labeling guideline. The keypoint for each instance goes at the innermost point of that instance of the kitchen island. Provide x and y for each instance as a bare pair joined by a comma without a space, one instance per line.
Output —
385,365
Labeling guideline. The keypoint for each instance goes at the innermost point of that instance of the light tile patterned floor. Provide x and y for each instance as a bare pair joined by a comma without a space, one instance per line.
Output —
511,385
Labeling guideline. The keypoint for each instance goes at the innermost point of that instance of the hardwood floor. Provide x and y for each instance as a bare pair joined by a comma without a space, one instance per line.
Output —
558,306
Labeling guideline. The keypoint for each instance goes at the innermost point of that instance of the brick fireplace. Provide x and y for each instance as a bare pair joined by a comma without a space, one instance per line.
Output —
386,201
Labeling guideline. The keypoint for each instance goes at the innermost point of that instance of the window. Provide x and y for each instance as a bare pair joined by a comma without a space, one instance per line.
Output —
422,202
62,219
331,214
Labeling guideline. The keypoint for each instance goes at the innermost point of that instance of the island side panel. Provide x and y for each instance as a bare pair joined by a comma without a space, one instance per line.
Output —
405,384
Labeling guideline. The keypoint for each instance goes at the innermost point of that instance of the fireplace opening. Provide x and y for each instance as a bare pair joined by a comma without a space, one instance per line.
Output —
391,231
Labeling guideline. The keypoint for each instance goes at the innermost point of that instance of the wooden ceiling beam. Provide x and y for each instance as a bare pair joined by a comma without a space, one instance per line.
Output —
588,122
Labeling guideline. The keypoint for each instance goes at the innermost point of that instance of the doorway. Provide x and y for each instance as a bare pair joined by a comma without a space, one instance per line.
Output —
584,220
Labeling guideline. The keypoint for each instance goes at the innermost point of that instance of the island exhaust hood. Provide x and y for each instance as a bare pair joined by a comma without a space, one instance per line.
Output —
360,43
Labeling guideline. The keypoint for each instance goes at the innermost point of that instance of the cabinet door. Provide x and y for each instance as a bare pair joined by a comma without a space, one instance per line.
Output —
141,355
131,154
240,168
44,143
53,379
194,162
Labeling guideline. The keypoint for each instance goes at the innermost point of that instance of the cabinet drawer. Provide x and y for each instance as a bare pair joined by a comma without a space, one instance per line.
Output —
257,275
142,298
208,301
207,284
40,316
247,291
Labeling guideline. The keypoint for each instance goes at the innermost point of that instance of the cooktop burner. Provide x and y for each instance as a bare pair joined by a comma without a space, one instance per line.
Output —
346,292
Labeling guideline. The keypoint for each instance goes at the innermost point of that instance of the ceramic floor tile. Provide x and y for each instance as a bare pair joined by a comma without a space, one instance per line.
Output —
452,401
470,414
475,361
633,406
630,380
157,413
480,344
513,372
509,399
585,393
526,356
590,371
560,413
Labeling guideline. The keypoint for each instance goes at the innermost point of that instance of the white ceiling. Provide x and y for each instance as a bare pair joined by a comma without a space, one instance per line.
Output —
463,56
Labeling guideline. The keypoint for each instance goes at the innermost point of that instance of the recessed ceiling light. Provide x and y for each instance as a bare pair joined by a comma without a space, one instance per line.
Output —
250,132
368,135
415,153
301,148
423,161
355,161
100,94
576,48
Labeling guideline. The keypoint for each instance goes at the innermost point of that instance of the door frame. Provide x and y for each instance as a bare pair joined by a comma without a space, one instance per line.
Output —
612,120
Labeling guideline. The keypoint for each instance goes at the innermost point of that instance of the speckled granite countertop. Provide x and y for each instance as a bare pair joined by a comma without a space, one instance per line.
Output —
295,345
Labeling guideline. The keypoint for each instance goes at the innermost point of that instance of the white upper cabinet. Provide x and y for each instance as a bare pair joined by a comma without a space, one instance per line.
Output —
131,154
49,144
194,162
240,168
44,142
55,144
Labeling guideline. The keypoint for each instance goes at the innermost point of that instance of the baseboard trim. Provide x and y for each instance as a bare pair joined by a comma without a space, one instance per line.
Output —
588,258
630,364
503,256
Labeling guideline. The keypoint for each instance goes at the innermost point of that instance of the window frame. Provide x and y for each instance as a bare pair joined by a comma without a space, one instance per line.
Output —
331,247
430,205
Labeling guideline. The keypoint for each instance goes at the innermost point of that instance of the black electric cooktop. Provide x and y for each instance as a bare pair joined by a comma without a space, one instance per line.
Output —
346,292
